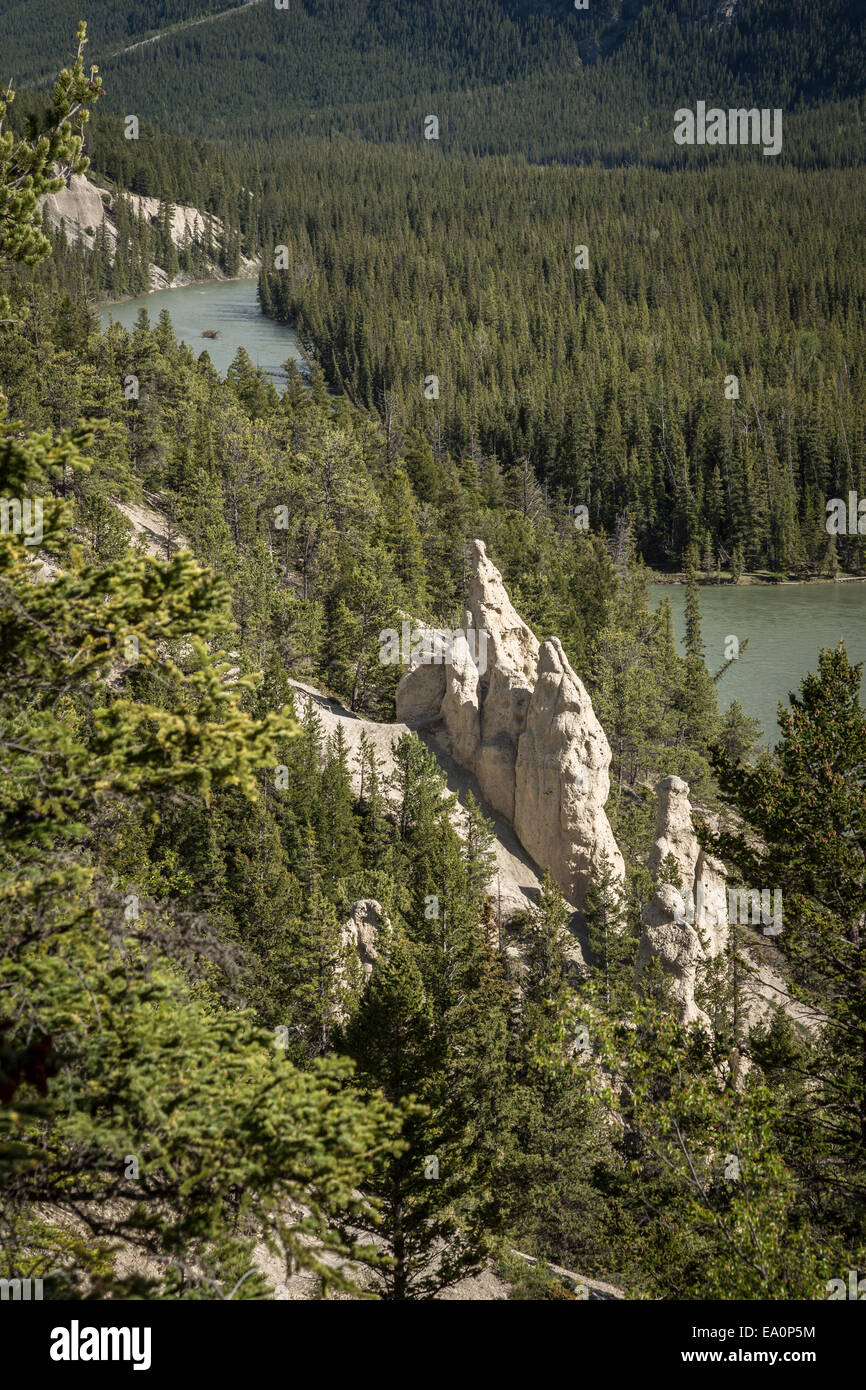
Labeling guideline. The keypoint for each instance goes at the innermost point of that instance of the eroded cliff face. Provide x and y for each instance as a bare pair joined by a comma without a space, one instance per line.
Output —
668,938
83,211
360,934
683,927
509,718
360,941
561,779
520,719
515,883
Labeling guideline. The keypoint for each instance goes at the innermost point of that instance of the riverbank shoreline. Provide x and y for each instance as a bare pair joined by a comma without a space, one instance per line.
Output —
760,581
184,285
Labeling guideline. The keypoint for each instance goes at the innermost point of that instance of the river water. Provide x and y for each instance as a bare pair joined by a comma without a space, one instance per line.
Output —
786,624
228,306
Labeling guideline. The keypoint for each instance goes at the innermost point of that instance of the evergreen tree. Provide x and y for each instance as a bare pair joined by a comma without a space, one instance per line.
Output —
96,999
804,839
430,1226
612,948
558,1143
693,640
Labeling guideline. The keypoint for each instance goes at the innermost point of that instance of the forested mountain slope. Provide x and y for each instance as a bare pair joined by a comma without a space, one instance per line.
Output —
700,370
546,79
272,868
698,363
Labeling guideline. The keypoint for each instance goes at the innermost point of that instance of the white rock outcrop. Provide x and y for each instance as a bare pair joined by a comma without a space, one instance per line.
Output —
511,645
420,692
185,221
519,718
704,879
81,211
359,943
561,779
683,928
360,933
668,938
675,833
711,903
515,882
460,706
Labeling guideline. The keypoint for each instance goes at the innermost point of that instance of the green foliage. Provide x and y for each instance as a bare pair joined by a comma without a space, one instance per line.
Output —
606,386
528,76
737,733
429,1214
612,944
30,167
716,1209
560,1150
657,709
97,1004
803,836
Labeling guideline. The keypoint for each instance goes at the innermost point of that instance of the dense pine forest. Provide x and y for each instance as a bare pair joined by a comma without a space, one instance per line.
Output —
685,349
199,1086
682,367
536,78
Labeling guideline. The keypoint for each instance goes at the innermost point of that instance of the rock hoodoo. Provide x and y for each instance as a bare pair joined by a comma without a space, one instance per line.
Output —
561,779
668,938
359,943
675,833
519,718
360,933
683,927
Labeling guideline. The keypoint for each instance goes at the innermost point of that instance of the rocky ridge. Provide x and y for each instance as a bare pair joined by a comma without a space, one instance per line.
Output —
516,715
510,715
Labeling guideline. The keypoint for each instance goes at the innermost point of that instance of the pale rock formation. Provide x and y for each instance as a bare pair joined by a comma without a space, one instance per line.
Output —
506,652
668,938
421,689
704,878
518,717
510,643
675,833
81,209
683,929
711,903
185,221
487,685
561,781
515,883
359,938
360,933
461,706
503,720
